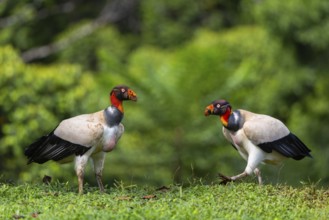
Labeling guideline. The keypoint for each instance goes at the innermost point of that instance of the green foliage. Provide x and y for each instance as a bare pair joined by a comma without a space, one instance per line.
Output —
313,110
33,99
238,201
169,23
302,25
102,51
268,56
295,20
22,20
164,28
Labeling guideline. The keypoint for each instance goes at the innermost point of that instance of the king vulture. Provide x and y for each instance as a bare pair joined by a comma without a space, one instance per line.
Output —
258,138
84,136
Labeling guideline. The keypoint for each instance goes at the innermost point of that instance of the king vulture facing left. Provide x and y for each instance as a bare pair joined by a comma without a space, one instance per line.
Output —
85,136
258,138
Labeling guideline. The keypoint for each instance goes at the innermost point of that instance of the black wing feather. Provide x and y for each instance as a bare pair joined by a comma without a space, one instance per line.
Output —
234,146
289,146
52,147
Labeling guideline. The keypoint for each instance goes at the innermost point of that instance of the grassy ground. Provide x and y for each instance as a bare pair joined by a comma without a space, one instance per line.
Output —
234,201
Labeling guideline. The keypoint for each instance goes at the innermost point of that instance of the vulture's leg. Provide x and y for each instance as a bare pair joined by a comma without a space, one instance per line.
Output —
80,165
253,161
239,176
257,173
226,179
98,161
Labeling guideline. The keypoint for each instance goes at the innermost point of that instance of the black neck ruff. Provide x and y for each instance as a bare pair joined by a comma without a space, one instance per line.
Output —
113,116
234,121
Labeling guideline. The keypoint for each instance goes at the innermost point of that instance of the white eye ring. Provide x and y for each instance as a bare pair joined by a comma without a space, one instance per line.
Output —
218,106
123,90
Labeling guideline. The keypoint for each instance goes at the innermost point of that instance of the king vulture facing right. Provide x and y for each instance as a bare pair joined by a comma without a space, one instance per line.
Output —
83,137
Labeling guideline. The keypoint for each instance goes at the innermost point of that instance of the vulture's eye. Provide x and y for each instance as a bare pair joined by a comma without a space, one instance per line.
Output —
218,106
123,90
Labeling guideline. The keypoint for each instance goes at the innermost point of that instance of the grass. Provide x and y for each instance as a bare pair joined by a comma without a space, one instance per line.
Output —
197,201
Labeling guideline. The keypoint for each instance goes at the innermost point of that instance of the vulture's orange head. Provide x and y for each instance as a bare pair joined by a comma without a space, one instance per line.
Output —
218,107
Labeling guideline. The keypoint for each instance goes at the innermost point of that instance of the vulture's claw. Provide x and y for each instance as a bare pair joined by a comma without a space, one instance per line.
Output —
224,179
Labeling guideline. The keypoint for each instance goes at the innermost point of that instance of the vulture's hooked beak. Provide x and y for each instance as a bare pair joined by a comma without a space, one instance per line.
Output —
209,110
132,95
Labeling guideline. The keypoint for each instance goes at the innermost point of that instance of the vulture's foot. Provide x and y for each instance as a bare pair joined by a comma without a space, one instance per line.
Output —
224,179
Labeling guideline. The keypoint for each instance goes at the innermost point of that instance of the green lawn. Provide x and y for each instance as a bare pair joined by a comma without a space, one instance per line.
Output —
234,201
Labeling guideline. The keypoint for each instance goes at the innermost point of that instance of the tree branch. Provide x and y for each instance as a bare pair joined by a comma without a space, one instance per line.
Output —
111,13
23,16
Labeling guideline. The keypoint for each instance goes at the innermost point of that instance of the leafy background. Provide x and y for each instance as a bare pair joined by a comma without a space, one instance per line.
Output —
59,59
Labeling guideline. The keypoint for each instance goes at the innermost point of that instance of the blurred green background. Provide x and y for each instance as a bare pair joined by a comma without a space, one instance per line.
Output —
61,58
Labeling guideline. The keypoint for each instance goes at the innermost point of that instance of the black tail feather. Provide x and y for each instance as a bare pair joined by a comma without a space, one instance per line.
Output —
52,147
289,146
301,147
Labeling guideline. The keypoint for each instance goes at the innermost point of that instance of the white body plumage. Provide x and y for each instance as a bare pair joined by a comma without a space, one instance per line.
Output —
256,129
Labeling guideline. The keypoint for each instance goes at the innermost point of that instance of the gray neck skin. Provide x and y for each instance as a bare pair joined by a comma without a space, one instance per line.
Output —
234,121
113,116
